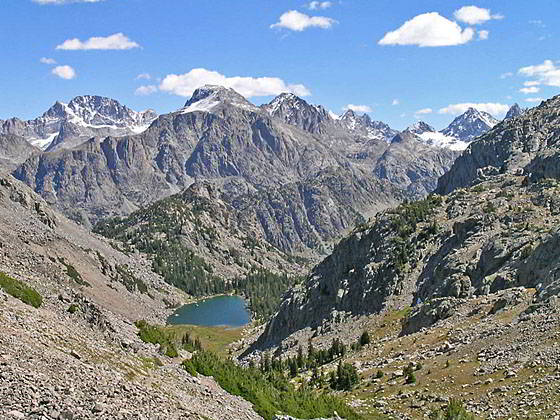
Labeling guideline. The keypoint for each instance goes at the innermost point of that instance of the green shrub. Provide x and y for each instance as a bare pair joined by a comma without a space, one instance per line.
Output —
157,335
72,309
365,338
410,378
188,365
454,411
20,291
379,374
73,273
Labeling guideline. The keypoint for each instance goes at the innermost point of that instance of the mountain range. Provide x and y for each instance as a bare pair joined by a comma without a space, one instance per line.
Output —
68,125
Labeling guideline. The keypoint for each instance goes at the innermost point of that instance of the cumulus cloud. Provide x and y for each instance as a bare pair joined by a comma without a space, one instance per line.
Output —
473,15
546,73
357,108
146,90
528,90
144,76
49,61
186,84
424,111
506,75
530,83
297,21
317,5
59,2
495,109
483,35
117,41
428,30
395,102
64,72
533,100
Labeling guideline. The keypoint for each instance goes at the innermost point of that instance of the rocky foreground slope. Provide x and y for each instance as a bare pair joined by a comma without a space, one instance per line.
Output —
78,354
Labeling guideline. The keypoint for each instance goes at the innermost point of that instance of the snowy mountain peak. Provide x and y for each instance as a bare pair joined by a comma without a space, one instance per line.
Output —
66,125
209,97
421,127
294,110
473,123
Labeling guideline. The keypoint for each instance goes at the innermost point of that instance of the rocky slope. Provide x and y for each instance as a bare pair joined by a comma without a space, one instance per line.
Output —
78,354
527,143
14,150
67,125
502,233
413,165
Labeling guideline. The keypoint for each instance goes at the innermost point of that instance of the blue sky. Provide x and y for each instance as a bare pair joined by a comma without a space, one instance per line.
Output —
339,53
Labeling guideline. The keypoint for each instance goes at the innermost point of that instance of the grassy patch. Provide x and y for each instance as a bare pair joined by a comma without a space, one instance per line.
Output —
20,291
214,339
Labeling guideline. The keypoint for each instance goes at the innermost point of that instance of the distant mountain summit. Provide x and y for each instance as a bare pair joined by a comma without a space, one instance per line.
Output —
420,127
473,123
514,111
295,111
67,125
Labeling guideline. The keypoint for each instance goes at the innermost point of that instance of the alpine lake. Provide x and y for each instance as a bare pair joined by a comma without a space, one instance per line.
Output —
217,311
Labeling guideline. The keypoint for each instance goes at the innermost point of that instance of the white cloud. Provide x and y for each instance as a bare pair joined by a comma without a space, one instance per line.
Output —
117,41
59,2
395,102
64,72
297,21
483,35
357,108
144,76
531,83
495,109
186,84
424,111
528,90
533,100
49,61
538,22
546,73
316,5
473,15
428,30
506,75
146,90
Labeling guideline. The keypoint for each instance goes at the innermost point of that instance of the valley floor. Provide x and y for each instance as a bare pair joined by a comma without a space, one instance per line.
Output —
504,365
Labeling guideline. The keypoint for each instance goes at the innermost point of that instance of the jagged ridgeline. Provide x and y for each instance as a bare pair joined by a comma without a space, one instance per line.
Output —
203,246
499,232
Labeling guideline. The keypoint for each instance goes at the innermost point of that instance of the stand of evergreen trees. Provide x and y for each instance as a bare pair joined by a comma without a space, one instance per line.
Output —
270,391
181,267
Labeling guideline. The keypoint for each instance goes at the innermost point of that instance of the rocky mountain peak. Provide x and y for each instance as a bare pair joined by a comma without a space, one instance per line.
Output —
514,111
209,97
421,127
471,124
296,111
